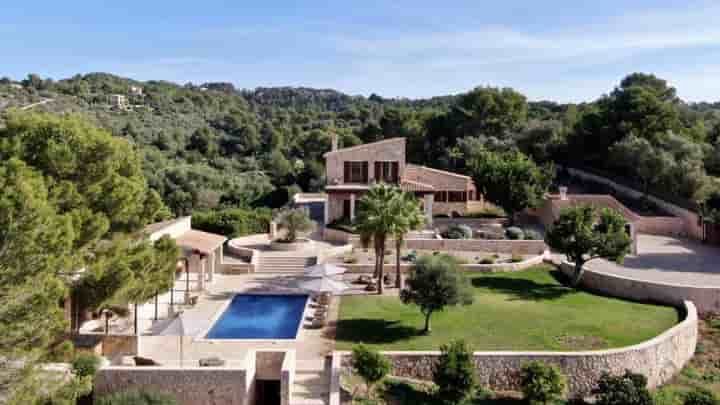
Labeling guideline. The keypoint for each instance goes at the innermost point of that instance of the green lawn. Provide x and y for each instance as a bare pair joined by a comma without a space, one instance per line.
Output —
528,310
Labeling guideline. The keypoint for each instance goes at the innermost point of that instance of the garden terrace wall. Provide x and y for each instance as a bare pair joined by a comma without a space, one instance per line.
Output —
474,223
520,247
690,220
659,359
336,235
189,386
706,299
368,268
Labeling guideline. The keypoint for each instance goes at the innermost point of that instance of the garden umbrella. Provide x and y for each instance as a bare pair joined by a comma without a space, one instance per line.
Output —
324,270
323,284
182,326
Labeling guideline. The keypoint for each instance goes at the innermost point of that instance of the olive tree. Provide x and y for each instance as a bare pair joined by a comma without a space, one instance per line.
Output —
434,284
584,233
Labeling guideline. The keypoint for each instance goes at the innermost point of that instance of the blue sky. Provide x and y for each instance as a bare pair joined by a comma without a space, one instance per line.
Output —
557,50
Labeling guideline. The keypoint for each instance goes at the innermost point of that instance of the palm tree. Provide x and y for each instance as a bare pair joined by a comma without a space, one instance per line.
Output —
376,220
408,217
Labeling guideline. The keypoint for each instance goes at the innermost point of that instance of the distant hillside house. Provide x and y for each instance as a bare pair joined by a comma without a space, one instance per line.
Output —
136,90
351,171
119,101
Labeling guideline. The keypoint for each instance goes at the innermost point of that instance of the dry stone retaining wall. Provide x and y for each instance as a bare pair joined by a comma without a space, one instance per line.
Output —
706,299
521,247
190,386
659,359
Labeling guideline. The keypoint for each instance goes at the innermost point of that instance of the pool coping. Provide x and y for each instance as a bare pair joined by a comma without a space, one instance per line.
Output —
202,336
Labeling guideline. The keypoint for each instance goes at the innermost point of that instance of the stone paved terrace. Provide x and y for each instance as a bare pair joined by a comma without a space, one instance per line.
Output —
668,260
312,345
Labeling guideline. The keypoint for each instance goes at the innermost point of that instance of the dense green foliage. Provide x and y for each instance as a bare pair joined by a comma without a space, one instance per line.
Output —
136,398
626,389
585,233
458,231
454,373
700,396
233,222
541,383
435,283
66,190
509,179
211,145
86,364
370,365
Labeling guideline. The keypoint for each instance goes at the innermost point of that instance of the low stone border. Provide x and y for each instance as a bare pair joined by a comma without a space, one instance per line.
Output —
521,247
706,299
659,359
480,268
298,245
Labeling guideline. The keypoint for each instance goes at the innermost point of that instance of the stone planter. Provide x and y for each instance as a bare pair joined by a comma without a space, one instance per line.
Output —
299,244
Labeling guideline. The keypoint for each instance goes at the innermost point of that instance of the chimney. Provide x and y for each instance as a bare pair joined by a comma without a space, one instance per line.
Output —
563,192
334,138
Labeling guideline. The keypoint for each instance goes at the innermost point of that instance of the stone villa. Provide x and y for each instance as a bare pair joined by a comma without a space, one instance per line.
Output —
351,171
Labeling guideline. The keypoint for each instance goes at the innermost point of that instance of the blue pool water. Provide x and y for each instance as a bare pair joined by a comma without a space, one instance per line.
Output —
251,316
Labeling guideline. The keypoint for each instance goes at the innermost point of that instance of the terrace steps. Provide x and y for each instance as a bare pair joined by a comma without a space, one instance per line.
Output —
312,384
284,264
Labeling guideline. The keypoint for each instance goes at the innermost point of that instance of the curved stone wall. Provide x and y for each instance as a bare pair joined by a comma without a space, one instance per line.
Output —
659,359
706,299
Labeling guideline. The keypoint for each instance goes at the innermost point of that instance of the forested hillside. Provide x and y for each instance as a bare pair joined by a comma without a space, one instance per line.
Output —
212,145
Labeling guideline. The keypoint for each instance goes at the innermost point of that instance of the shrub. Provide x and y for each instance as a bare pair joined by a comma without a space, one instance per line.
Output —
62,352
487,260
370,365
487,212
514,233
627,389
85,364
294,221
458,231
541,383
515,258
700,396
233,222
454,373
531,234
136,398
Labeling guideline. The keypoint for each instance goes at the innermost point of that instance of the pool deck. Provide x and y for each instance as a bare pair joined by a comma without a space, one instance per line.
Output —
311,345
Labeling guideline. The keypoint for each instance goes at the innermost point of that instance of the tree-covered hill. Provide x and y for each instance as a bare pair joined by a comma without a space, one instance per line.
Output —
212,145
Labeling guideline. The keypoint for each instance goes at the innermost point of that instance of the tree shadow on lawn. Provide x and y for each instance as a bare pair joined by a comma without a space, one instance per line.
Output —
524,289
373,331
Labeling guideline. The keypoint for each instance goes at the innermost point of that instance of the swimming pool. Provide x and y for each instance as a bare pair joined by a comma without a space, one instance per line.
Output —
253,316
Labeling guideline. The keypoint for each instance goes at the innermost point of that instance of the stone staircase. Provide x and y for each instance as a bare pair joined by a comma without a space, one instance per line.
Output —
312,383
284,264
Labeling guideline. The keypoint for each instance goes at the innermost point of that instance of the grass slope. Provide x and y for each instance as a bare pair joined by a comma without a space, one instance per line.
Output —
527,310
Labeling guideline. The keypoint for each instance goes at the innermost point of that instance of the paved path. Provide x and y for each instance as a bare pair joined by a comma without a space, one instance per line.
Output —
668,260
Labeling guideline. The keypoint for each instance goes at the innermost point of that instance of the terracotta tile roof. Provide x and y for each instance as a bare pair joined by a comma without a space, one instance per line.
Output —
365,145
443,172
597,200
409,185
202,241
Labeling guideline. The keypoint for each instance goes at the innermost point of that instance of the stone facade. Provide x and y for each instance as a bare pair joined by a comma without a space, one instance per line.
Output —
659,359
232,385
388,150
189,386
425,182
